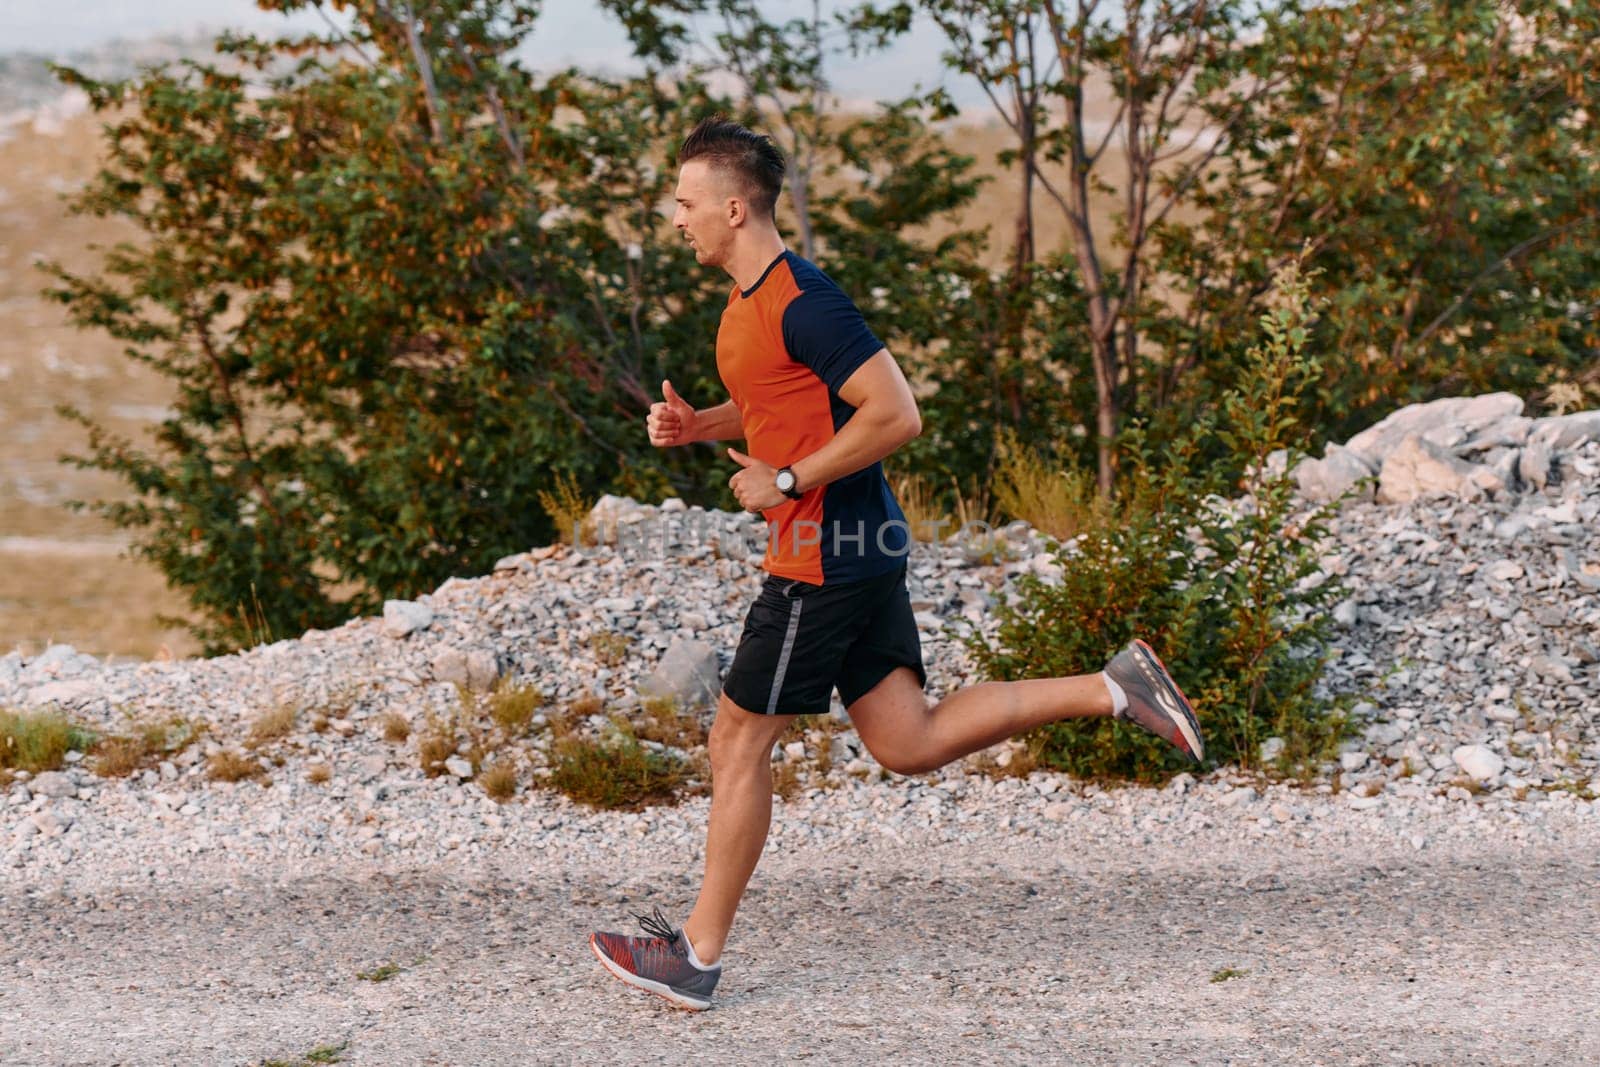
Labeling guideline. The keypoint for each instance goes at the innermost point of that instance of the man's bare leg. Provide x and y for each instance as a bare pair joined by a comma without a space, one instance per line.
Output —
908,735
741,812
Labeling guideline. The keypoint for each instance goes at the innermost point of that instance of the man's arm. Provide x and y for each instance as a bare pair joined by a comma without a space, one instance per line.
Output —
885,418
720,423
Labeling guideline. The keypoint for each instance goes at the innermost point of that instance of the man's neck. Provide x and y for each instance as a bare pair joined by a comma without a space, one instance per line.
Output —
746,265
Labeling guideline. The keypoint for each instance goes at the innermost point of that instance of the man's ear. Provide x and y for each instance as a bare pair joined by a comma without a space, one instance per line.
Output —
738,211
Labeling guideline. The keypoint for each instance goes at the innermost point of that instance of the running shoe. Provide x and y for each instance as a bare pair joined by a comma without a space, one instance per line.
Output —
1155,703
657,962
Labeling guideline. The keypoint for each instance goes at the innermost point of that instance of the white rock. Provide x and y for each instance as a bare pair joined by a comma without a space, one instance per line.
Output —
54,784
1479,761
458,766
1419,469
402,617
1469,413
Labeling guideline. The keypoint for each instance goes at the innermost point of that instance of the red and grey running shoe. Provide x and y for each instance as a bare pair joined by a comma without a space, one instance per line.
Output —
658,962
1155,702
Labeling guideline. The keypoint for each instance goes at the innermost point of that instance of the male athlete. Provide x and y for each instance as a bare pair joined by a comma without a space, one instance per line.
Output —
821,402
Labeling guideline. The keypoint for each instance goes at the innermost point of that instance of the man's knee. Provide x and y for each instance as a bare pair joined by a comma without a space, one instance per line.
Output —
903,760
741,737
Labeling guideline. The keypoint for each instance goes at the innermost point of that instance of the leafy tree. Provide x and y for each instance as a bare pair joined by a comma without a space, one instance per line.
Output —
395,292
1441,163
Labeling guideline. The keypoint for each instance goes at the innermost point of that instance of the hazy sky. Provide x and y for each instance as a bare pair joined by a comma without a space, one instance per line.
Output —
569,32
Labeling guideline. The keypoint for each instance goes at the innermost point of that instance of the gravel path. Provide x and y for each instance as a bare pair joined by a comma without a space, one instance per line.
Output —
1418,931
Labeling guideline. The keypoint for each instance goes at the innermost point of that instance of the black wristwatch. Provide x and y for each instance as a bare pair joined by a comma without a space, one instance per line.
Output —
786,482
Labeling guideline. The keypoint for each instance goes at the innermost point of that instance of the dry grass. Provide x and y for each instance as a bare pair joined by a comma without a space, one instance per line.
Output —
499,780
230,766
661,720
434,747
1052,500
610,650
569,509
584,706
396,727
271,725
1020,763
150,742
319,774
786,780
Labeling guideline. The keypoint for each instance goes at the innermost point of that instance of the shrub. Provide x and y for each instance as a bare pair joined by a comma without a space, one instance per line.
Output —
319,773
1228,592
570,510
615,770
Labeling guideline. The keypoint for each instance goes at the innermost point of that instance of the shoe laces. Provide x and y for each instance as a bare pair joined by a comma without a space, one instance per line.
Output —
658,926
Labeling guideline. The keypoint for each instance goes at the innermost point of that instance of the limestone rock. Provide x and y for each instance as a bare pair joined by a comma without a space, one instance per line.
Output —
1418,468
403,617
1467,413
1479,761
687,674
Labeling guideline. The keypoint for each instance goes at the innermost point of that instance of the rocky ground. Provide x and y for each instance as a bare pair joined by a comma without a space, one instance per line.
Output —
1414,902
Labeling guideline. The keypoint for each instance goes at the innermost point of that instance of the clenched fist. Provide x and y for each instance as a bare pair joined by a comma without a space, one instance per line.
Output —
671,421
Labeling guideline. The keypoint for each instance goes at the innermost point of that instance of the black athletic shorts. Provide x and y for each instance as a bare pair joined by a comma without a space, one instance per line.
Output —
801,640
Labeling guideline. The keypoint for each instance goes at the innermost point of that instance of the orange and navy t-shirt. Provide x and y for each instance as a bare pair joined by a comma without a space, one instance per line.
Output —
785,348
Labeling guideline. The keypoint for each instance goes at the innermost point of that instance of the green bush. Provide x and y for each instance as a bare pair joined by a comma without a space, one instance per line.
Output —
37,741
1228,591
615,771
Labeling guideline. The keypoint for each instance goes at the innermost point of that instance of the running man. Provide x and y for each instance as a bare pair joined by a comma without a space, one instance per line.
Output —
820,403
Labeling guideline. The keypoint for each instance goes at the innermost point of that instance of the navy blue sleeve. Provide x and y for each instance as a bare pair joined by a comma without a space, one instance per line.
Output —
823,329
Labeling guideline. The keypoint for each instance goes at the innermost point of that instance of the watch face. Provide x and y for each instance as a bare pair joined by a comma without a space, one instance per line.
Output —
785,481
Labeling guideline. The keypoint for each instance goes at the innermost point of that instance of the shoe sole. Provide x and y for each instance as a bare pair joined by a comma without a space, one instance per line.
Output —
660,989
1188,725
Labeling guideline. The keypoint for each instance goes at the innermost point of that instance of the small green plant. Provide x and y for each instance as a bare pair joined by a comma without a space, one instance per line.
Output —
35,741
1224,973
615,770
512,707
1229,593
380,974
320,1054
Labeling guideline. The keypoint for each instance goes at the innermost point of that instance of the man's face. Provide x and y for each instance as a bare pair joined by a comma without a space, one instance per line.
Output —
703,211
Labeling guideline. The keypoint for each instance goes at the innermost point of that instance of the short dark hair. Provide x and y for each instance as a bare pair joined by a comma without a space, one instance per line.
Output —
752,157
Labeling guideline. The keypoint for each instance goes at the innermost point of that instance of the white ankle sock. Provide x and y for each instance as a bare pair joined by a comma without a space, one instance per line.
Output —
694,960
1119,699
